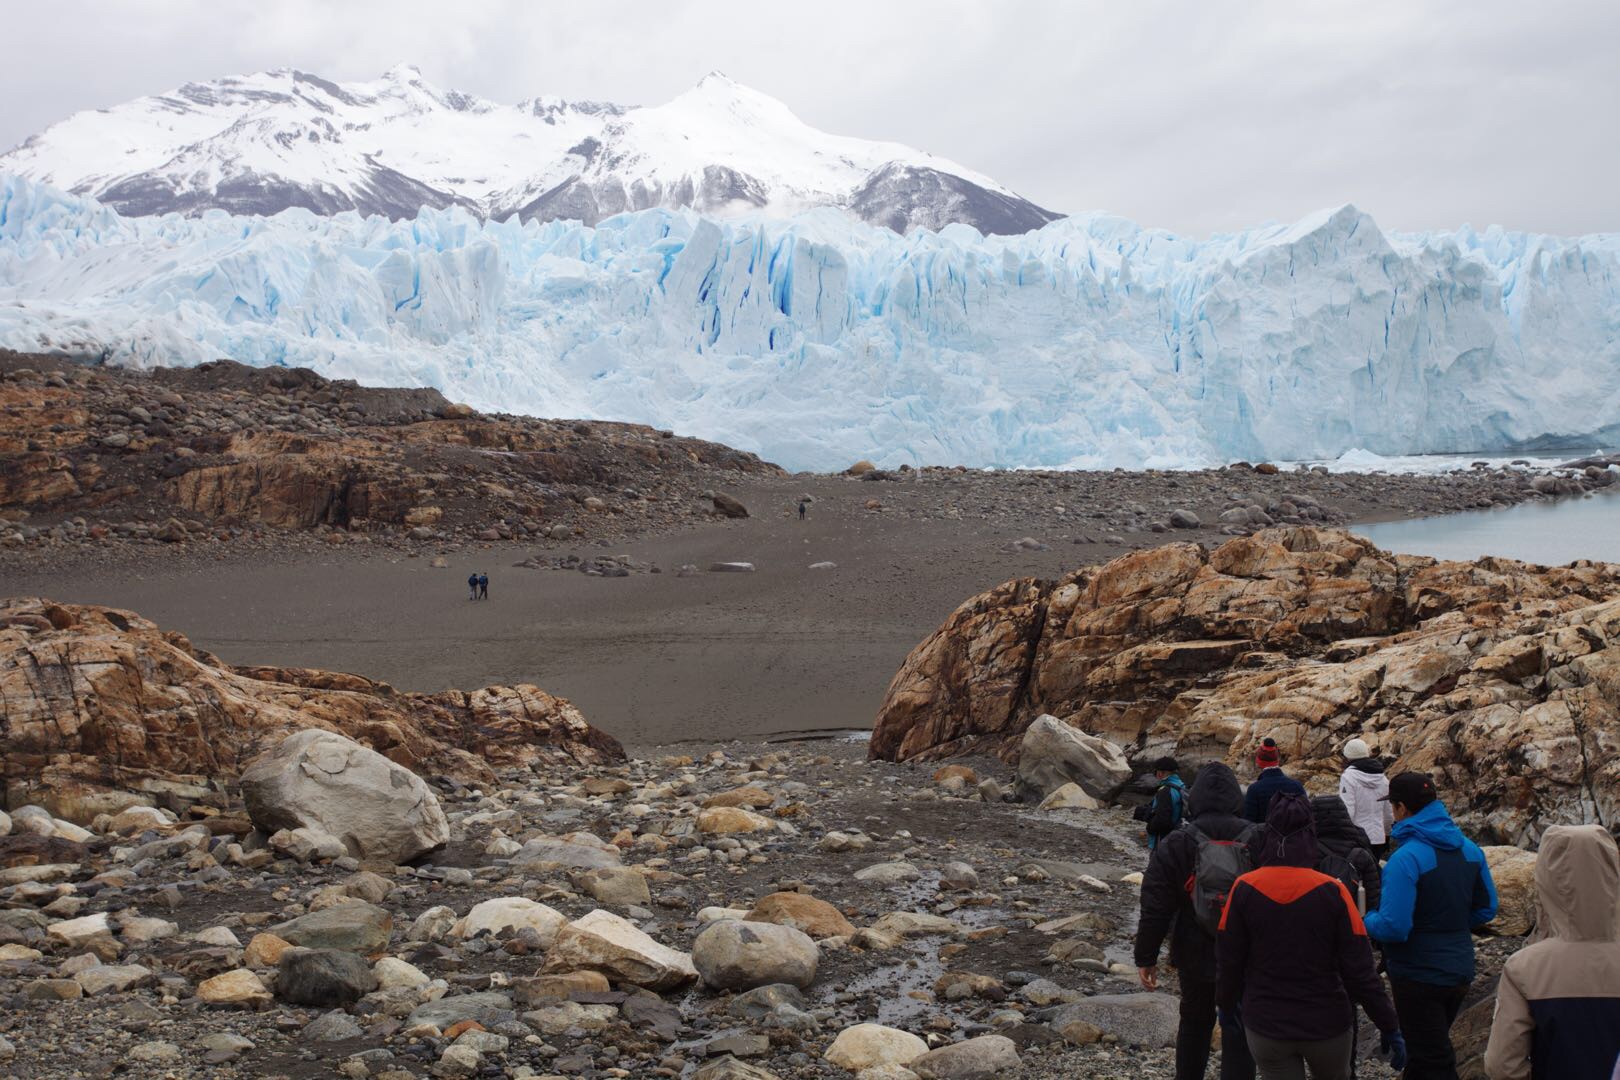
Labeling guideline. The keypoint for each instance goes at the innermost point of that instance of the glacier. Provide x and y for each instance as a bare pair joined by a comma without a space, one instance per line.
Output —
816,340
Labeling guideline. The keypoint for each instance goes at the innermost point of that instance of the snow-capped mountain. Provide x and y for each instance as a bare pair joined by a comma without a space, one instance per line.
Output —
817,340
258,144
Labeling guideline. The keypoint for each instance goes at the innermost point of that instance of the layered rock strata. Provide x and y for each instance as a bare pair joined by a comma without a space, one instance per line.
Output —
1500,677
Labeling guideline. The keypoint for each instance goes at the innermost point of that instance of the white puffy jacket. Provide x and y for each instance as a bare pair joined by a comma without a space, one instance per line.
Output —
1363,794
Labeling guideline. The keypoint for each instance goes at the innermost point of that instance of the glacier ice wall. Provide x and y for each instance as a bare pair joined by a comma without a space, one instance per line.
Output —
817,340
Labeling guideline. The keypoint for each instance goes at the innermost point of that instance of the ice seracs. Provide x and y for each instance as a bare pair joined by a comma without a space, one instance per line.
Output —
817,340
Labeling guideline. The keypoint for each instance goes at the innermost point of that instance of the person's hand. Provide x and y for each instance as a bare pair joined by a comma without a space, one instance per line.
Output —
1393,1046
1149,977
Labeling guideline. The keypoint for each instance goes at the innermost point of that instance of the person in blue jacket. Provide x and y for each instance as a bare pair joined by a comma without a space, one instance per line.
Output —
1169,805
1271,781
1436,888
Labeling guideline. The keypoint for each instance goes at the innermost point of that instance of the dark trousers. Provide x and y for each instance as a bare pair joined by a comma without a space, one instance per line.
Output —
1426,1012
1197,1028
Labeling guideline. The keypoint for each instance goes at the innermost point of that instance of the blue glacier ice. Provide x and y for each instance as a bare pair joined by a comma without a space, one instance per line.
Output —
816,340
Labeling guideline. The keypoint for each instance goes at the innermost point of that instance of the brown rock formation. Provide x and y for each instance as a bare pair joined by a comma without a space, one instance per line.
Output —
95,701
1501,677
224,444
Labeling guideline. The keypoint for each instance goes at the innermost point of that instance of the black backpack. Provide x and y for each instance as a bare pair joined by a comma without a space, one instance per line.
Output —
1217,864
1341,868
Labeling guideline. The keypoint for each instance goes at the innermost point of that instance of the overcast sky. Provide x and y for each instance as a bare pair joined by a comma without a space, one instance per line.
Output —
1196,115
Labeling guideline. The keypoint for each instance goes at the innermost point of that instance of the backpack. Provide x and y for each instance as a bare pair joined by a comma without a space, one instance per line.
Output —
1217,864
1344,871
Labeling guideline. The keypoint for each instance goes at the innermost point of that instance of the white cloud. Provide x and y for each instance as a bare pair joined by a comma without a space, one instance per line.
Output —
1198,116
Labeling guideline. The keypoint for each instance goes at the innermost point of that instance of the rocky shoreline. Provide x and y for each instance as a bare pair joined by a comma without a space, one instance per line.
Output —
225,460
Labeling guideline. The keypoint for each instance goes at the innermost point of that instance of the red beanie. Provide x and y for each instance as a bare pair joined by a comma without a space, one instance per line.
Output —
1268,755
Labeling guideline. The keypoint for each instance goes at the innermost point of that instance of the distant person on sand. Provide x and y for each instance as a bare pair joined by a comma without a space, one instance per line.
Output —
1271,781
804,504
472,586
483,586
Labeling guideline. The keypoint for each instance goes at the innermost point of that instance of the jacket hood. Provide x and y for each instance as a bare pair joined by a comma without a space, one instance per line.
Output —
1334,828
1433,826
1173,780
1368,765
1578,883
1289,836
1215,791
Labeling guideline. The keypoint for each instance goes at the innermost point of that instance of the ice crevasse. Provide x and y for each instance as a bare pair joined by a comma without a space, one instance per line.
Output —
815,340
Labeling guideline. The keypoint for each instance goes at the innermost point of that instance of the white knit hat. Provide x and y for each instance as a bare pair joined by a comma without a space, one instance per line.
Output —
1356,749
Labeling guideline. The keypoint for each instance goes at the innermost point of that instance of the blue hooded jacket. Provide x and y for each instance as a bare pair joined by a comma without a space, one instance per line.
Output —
1168,809
1437,888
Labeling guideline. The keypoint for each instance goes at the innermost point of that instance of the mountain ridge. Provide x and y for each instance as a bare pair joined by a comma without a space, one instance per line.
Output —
268,141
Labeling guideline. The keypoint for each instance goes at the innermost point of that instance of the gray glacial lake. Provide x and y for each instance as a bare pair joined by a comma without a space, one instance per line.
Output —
1550,533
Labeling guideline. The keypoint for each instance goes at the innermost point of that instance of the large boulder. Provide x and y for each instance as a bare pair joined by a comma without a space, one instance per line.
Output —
987,1057
736,955
803,912
1513,871
356,927
602,941
510,913
1501,679
1145,1020
866,1046
1053,754
317,779
324,978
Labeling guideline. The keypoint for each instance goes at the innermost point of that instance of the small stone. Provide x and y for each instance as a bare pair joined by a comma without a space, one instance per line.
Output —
239,987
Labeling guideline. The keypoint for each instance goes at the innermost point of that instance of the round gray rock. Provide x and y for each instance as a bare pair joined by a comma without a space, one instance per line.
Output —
736,955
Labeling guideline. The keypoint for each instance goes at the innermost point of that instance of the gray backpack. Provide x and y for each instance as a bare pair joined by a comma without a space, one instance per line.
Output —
1217,864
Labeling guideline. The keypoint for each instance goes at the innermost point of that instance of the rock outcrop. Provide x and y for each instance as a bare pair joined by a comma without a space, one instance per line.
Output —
103,710
1500,677
214,451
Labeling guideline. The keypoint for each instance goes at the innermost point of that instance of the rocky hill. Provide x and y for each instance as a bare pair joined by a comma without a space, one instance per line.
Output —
1500,677
104,709
230,452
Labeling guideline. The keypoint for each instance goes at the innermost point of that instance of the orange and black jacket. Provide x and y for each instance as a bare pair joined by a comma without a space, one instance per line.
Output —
1293,952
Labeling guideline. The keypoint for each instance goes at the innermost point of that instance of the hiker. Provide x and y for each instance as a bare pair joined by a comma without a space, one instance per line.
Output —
1293,957
1363,787
1436,889
1558,1002
1347,851
472,585
1271,781
1175,906
483,586
804,504
1169,803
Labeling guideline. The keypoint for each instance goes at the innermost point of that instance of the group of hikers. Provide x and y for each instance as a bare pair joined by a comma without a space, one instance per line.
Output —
1273,902
477,586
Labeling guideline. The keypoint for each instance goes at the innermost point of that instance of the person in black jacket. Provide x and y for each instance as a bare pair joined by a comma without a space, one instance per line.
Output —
1338,835
1294,957
1213,805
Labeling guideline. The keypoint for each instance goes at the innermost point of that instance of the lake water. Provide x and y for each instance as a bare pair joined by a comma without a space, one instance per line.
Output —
1550,533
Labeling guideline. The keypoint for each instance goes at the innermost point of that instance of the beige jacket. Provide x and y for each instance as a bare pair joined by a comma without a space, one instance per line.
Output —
1558,1003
